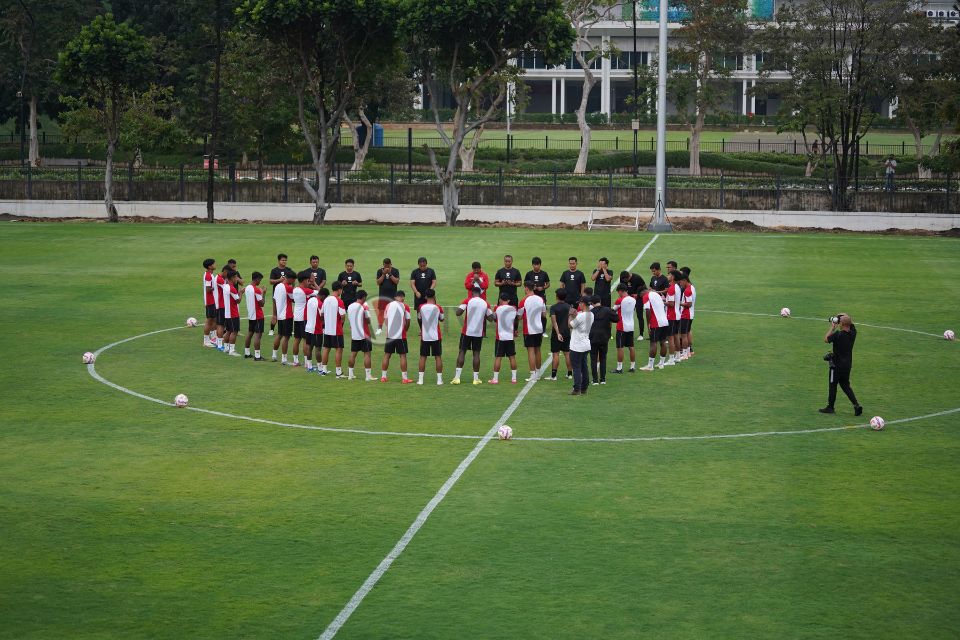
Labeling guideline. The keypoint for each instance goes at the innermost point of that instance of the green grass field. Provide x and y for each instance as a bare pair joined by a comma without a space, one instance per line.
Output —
124,518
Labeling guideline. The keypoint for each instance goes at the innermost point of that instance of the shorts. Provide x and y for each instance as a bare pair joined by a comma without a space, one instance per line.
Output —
419,301
231,324
431,348
674,327
285,327
382,303
332,342
211,311
313,339
255,326
395,345
470,343
504,349
624,339
685,325
299,328
557,346
659,334
533,340
220,317
364,345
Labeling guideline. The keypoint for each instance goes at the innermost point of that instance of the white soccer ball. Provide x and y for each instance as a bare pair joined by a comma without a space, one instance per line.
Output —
505,432
180,400
785,312
88,357
949,335
191,322
877,423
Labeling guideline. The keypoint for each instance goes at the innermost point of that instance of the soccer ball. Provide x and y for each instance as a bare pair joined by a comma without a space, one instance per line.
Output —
191,322
785,312
877,423
180,400
505,433
88,357
949,335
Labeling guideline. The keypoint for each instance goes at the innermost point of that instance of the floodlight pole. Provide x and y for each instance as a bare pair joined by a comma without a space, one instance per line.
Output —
659,222
23,128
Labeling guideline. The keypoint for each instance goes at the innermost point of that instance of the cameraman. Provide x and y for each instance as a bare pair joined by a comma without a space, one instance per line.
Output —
841,334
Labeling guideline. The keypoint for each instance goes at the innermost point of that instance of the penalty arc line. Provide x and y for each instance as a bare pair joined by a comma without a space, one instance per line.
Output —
421,518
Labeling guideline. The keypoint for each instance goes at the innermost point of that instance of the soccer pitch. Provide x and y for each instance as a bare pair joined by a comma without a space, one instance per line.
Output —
656,510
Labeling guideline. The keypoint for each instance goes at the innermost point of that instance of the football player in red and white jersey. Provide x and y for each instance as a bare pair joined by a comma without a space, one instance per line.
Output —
659,327
533,315
333,312
506,320
301,294
671,300
219,300
396,318
430,315
254,297
313,330
358,314
210,308
625,306
686,315
475,311
282,315
231,313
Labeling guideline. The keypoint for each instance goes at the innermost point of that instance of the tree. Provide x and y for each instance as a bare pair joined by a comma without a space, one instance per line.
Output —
391,89
330,48
463,47
105,63
34,31
712,32
843,56
584,15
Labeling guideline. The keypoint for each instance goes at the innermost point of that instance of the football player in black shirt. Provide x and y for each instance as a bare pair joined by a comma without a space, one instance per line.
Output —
318,277
658,281
277,275
602,277
560,333
421,279
350,281
539,278
841,334
508,279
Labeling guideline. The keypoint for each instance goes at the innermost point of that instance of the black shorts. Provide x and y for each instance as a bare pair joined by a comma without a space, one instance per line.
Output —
395,345
363,346
211,311
624,339
299,328
431,348
231,324
504,348
533,340
332,342
220,317
313,339
285,327
470,343
685,325
674,327
556,346
660,334
255,326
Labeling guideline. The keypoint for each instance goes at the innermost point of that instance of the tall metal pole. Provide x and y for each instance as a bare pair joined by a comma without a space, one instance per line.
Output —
636,90
659,222
23,128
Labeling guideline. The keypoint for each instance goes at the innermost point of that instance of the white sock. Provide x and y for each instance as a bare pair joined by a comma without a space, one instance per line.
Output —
662,359
212,336
339,371
283,357
206,339
420,377
256,353
619,366
219,342
383,374
368,372
513,374
246,351
458,372
349,372
439,377
652,360
496,376
274,356
403,375
296,359
308,363
476,375
633,364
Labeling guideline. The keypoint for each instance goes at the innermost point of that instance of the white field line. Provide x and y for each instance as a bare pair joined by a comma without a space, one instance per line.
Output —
862,324
421,518
642,251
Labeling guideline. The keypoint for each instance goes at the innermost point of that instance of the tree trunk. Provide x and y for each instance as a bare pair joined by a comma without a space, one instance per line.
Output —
695,129
360,152
112,215
215,106
589,81
451,200
468,152
34,140
923,173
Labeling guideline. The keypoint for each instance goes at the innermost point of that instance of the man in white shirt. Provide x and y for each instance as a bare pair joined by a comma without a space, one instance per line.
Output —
254,297
358,314
625,306
580,321
313,330
533,314
333,312
475,310
506,319
430,315
656,314
396,318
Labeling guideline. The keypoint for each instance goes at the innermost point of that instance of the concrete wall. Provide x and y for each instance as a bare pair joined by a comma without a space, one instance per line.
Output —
430,214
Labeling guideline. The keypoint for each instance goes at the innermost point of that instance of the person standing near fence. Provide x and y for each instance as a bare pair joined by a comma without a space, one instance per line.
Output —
890,169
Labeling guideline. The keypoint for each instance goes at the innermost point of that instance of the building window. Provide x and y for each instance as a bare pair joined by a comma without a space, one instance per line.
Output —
626,59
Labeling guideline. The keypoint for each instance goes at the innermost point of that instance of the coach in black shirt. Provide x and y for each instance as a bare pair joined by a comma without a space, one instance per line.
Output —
318,276
603,317
573,280
421,279
351,281
658,281
602,276
508,279
841,335
539,278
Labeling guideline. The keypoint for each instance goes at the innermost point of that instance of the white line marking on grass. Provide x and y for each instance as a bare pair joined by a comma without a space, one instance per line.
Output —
776,315
642,251
421,518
